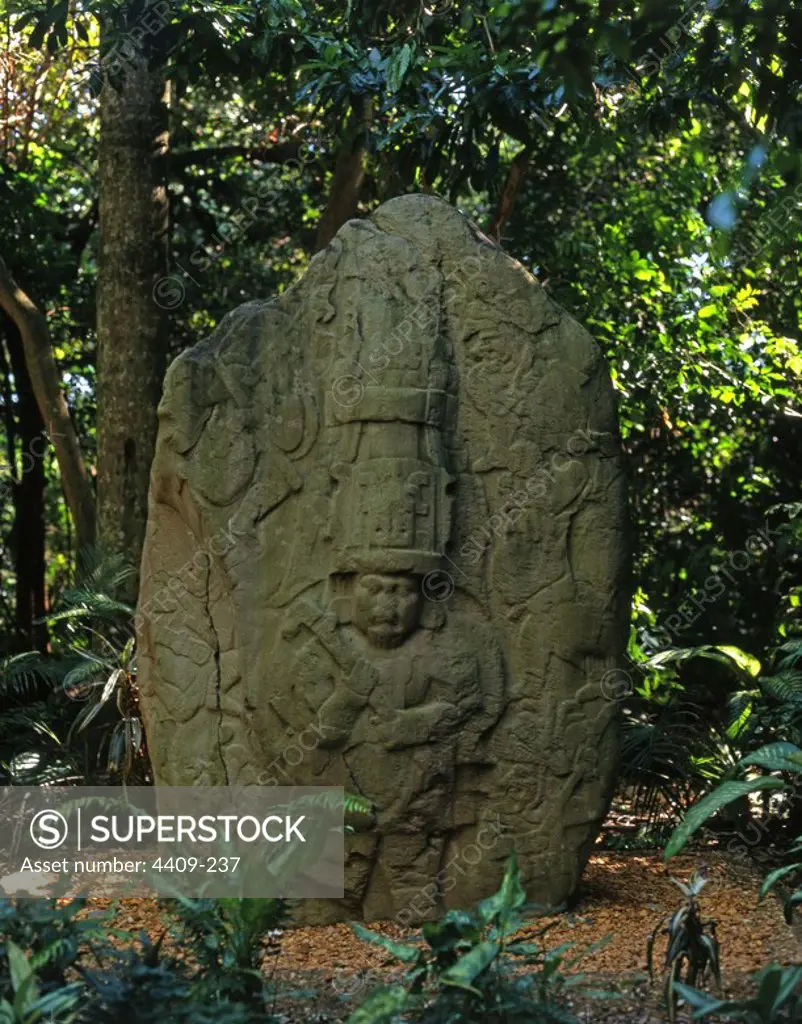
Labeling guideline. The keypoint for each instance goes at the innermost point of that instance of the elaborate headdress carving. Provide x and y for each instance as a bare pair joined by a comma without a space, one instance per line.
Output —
392,507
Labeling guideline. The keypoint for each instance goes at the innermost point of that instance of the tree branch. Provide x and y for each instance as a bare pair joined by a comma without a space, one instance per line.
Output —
46,382
509,193
266,154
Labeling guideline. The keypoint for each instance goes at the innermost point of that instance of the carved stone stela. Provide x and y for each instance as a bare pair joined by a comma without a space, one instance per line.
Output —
386,551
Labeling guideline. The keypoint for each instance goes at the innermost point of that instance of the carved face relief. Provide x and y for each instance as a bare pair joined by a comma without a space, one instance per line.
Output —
387,608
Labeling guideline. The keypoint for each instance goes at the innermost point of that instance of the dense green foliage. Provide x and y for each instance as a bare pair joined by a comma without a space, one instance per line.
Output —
473,967
71,716
658,205
780,762
466,972
217,977
775,1001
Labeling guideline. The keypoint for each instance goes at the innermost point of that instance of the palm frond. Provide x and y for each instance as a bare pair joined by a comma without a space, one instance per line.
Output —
81,602
22,674
665,750
103,570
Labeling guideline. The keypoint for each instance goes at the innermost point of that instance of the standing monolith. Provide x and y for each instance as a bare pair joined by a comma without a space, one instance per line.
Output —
386,550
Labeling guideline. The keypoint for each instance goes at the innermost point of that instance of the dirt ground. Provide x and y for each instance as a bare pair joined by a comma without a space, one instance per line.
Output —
623,896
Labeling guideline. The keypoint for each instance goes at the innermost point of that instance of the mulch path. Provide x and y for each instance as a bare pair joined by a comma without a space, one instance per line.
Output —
623,896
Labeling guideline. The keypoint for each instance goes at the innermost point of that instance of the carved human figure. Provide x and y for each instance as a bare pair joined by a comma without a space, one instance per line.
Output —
401,695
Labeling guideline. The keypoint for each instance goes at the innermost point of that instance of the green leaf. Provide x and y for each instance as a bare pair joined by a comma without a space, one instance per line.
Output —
713,802
509,897
117,677
353,804
701,1001
87,716
470,966
790,977
742,659
25,999
523,948
776,875
382,1006
404,58
401,951
456,929
769,990
398,67
711,945
789,903
707,311
18,965
784,686
57,1002
775,757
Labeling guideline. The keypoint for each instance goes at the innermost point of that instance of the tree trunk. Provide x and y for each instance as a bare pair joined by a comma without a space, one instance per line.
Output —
46,383
29,505
131,325
349,173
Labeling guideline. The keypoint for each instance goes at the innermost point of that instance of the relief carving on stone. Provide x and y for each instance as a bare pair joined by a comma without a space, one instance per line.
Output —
386,551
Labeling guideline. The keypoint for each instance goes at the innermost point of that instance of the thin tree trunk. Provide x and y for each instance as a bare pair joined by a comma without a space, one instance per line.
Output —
509,193
29,505
349,173
46,384
131,325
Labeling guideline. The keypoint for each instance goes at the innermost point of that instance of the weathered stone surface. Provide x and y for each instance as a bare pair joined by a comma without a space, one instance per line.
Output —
386,551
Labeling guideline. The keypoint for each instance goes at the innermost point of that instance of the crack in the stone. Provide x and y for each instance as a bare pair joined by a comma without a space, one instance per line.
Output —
568,539
353,778
217,680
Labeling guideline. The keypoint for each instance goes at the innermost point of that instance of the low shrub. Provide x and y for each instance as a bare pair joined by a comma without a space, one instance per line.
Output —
468,969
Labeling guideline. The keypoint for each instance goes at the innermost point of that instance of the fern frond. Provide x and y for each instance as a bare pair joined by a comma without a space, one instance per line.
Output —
357,805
